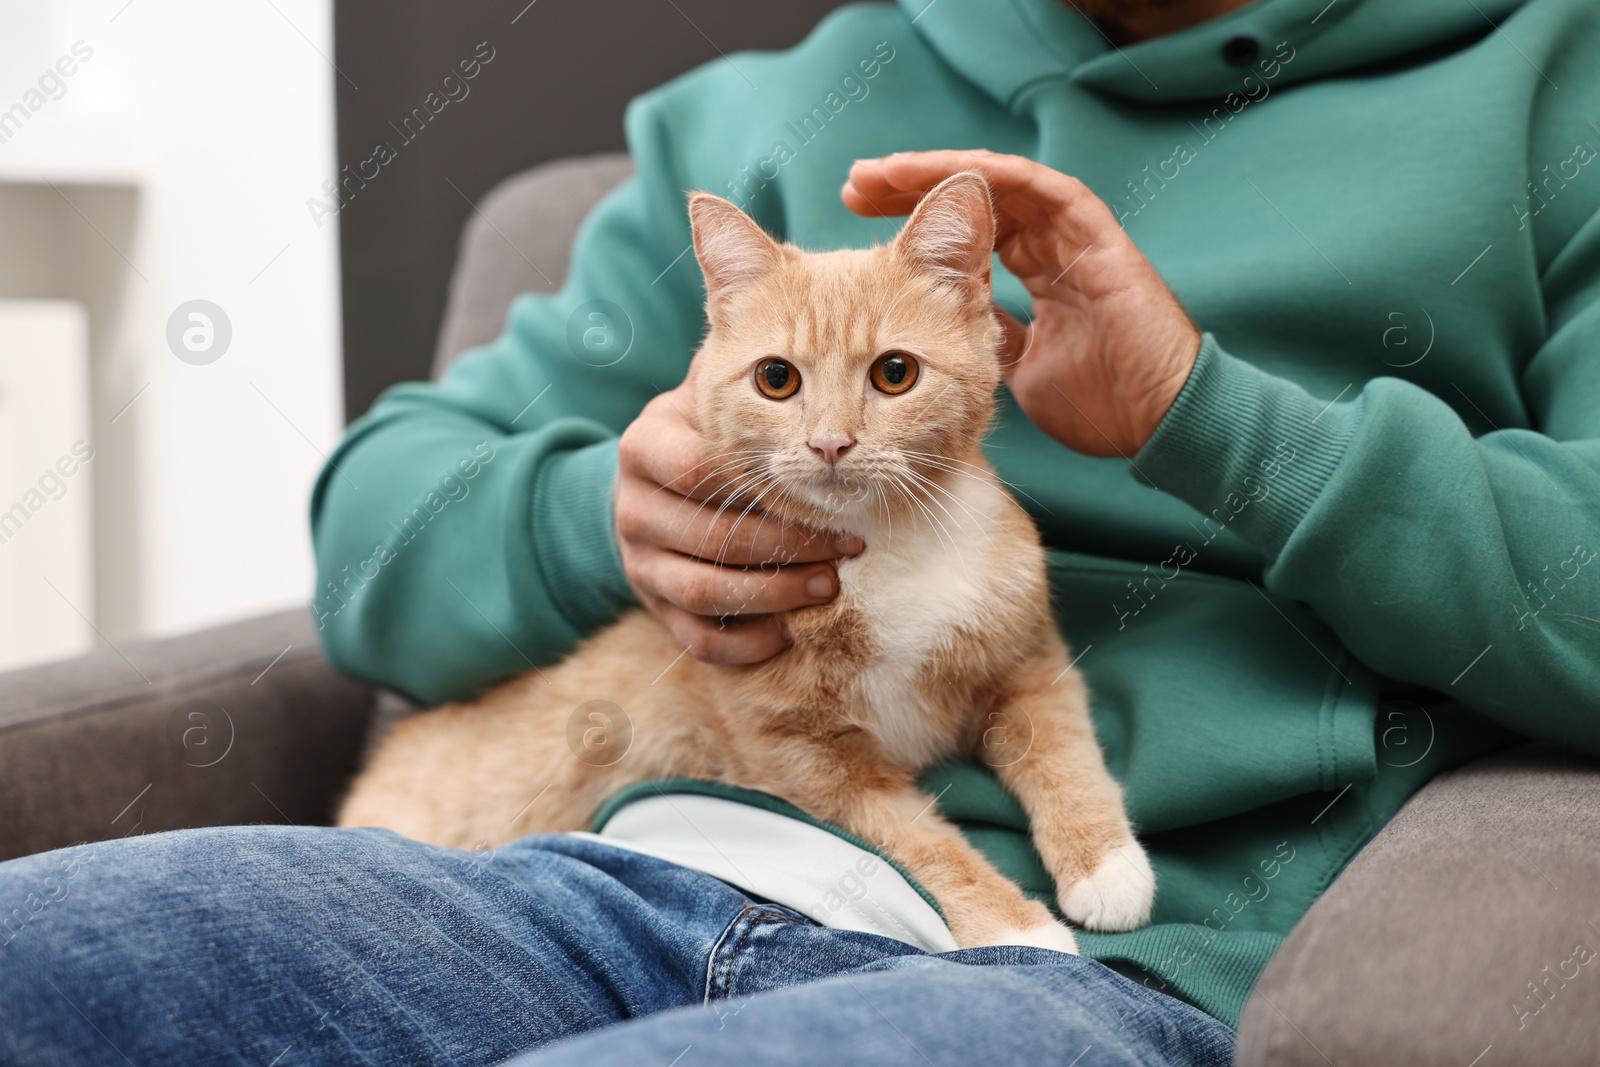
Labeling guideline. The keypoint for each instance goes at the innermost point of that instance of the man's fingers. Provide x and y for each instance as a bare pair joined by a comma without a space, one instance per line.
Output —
665,516
883,180
1027,195
726,535
663,449
706,589
724,641
893,185
917,172
1014,344
878,205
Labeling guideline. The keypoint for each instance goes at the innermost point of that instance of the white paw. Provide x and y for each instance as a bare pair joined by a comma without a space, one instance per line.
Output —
1050,935
1117,895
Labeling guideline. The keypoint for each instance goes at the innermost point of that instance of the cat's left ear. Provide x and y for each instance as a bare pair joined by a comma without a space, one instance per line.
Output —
733,251
951,233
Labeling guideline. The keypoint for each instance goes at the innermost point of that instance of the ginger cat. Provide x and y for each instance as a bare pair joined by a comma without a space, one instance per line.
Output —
848,391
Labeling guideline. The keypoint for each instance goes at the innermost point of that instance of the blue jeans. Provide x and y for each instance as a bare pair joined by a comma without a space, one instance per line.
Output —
286,946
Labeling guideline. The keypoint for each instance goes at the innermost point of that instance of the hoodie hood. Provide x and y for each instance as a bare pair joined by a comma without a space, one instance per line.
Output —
1007,47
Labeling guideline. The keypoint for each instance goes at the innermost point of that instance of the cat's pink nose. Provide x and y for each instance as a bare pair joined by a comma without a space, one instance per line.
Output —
831,447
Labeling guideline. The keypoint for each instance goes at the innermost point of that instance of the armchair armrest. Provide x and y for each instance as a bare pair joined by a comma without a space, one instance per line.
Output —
1466,932
241,723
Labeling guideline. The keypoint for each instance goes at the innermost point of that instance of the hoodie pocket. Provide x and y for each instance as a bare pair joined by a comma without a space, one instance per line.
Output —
1210,696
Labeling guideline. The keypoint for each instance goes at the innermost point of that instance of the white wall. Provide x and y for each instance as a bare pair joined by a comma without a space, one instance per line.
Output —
181,154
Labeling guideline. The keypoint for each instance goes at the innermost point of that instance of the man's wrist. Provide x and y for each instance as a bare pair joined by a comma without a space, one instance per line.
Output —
1164,394
1248,447
574,534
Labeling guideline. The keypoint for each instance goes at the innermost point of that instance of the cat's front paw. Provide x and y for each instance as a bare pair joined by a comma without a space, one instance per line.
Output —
1032,925
1117,895
1051,935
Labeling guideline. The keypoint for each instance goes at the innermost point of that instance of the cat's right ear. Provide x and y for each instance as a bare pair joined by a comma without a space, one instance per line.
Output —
733,251
951,234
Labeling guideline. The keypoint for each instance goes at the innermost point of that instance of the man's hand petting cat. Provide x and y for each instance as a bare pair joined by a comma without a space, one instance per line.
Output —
714,573
1110,346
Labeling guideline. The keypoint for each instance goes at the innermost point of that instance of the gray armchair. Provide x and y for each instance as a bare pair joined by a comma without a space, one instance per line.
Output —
1454,938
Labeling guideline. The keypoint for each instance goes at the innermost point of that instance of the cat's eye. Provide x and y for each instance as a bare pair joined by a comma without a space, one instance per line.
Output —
894,372
777,379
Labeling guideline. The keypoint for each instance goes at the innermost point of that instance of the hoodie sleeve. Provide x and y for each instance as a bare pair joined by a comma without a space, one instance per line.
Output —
1444,550
463,529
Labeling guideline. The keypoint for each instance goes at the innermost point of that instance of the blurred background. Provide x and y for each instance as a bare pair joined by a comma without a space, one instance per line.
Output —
225,227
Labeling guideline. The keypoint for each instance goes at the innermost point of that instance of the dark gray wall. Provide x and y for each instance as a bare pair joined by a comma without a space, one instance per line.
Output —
559,79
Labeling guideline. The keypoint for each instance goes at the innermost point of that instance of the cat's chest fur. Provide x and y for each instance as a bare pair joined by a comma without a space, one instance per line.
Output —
940,598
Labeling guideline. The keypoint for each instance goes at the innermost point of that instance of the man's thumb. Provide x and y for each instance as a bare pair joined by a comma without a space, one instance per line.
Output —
1013,342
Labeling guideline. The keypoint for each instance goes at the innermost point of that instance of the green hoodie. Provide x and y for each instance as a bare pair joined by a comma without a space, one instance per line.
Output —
1361,547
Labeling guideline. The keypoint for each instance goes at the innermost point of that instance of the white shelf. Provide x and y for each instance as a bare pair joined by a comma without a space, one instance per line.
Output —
66,152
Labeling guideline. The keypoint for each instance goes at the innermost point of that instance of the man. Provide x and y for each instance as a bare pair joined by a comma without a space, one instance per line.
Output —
1323,278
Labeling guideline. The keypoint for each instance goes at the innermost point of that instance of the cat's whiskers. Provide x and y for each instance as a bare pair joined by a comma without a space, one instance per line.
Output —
836,501
952,465
981,480
977,468
981,517
888,514
733,480
757,483
979,472
728,493
766,513
919,494
733,453
733,459
940,532
722,551
938,523
983,521
780,508
726,496
744,484
910,461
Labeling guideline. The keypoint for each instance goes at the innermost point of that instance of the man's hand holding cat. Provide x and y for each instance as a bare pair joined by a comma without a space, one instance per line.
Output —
1110,346
714,575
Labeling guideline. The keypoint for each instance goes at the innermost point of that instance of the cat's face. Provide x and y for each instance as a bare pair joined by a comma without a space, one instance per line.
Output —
833,385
